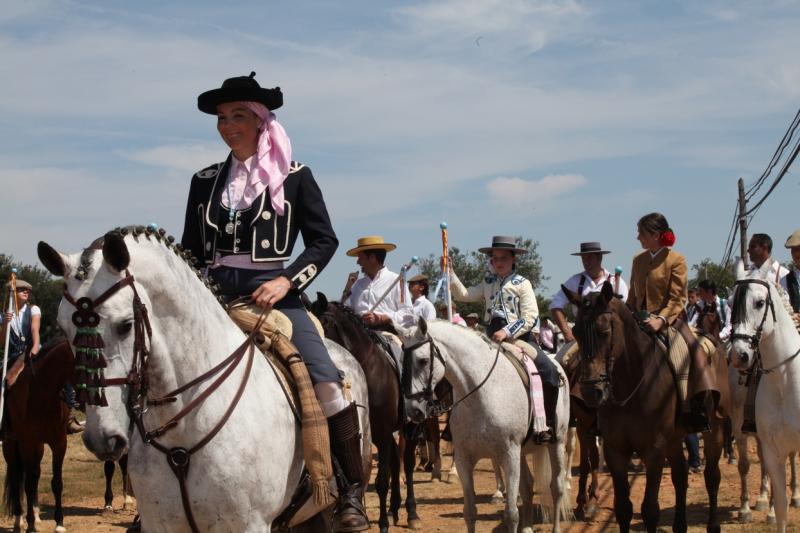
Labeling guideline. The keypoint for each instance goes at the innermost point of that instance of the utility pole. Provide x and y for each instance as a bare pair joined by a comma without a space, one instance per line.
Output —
742,224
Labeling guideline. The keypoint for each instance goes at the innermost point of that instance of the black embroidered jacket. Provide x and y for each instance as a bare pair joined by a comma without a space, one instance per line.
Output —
263,234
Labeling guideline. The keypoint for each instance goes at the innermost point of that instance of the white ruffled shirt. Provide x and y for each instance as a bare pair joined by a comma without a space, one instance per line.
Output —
423,308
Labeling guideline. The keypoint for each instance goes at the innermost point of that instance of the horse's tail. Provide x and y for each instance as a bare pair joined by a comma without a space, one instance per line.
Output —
542,479
15,478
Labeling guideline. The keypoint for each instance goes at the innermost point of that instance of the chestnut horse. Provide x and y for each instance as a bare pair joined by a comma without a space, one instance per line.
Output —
344,327
630,382
36,415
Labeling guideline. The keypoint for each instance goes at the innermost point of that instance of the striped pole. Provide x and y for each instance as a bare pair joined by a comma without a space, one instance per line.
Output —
446,271
13,307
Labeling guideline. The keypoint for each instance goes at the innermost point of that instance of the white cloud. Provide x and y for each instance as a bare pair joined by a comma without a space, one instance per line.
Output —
187,158
518,193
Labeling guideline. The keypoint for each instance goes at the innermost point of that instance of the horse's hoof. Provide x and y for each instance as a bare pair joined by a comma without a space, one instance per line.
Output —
770,519
745,518
395,519
497,498
385,529
61,529
761,505
108,509
527,530
591,510
415,523
732,461
19,523
795,502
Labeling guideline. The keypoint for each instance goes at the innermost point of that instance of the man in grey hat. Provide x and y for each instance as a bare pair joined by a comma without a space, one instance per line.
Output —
590,280
791,281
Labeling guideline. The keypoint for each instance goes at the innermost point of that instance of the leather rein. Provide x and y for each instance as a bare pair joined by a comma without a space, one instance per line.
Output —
137,382
755,340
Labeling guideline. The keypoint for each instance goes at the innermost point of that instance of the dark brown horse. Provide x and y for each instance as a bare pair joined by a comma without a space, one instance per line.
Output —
108,496
630,382
36,416
344,327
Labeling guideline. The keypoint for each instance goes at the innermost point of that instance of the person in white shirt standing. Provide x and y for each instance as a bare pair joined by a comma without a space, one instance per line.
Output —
418,287
368,296
590,280
760,252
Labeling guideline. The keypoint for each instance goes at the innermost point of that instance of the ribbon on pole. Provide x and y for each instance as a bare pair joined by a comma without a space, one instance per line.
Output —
446,271
13,307
400,277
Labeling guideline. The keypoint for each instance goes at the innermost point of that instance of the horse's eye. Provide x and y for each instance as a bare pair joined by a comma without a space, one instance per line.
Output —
760,304
422,361
124,328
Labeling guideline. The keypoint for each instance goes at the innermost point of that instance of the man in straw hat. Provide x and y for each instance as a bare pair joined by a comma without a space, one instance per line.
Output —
418,287
368,295
512,315
791,281
590,280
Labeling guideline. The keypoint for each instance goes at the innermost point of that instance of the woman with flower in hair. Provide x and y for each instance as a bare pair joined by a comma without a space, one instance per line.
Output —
658,295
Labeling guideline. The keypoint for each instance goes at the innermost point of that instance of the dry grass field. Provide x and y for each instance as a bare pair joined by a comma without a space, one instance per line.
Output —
439,502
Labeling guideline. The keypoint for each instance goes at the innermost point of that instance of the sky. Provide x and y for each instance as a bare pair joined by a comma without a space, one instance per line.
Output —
559,121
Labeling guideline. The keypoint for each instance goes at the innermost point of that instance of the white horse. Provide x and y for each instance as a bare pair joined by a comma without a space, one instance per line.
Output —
245,476
765,338
491,422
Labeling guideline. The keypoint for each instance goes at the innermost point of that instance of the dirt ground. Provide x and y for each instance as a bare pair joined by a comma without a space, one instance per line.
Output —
439,503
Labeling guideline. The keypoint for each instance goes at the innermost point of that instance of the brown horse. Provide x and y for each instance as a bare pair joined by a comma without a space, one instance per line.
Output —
36,416
632,386
344,327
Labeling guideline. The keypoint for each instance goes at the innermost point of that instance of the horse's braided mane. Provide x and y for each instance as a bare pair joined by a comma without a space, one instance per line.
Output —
160,235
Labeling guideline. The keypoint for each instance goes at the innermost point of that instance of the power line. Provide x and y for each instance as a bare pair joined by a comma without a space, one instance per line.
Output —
775,157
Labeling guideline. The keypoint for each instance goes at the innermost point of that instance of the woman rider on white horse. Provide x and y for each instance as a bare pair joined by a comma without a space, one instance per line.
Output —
242,219
513,314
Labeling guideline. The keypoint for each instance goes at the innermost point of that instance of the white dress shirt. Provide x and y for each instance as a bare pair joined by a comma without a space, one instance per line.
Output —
366,291
423,308
775,272
589,286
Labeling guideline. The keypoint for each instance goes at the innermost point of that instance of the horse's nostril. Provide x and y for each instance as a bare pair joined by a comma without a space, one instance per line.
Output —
117,443
744,357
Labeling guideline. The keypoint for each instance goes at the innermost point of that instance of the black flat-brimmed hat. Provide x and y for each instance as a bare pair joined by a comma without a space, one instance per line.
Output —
503,242
591,248
240,89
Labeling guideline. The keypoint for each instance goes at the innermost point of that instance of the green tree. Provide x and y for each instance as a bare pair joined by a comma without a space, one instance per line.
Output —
721,275
471,267
46,293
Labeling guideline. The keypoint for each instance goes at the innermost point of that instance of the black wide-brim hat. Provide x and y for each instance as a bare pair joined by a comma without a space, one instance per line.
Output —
240,89
503,242
588,248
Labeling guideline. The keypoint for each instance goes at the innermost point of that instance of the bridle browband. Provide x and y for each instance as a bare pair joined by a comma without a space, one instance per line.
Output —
755,340
435,407
138,402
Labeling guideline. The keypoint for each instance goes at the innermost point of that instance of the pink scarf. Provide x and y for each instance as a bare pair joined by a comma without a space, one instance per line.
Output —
272,159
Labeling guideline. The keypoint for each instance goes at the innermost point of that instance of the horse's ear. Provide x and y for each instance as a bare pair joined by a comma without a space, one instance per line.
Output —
573,297
322,300
740,273
607,291
422,326
52,260
115,252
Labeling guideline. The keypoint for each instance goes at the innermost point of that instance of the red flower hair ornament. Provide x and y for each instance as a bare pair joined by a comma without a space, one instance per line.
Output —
667,238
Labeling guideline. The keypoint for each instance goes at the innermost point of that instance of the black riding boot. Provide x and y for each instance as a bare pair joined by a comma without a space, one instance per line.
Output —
350,514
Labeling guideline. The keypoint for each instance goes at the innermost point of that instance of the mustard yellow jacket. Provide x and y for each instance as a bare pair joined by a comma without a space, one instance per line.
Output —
659,284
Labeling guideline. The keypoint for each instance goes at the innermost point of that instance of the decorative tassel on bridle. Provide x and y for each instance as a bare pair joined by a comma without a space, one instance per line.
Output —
89,358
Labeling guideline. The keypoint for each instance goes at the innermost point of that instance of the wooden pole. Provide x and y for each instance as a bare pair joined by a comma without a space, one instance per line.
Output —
742,224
